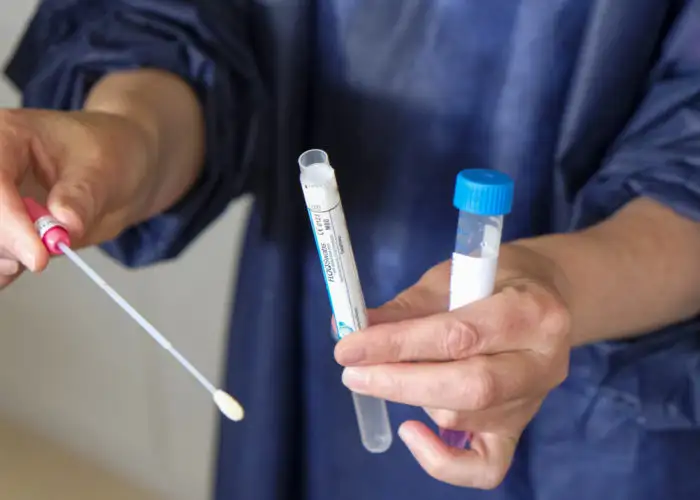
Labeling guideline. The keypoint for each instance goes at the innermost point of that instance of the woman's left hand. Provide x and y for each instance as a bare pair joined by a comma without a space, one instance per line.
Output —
483,368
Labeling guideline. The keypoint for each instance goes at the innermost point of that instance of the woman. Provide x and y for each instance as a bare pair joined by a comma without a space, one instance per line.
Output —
154,115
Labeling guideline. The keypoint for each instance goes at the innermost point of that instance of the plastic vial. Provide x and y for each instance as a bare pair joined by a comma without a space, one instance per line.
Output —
483,198
330,229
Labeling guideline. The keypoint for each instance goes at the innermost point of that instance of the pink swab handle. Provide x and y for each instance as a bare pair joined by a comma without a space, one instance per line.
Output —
51,232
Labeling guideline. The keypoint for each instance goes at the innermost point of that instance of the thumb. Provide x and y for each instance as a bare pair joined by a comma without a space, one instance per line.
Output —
414,302
73,201
430,295
398,309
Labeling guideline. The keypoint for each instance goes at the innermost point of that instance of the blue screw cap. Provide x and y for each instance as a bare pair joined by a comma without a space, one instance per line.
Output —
483,192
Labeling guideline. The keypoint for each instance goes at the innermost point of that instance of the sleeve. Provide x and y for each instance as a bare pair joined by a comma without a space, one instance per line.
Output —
70,44
658,154
653,378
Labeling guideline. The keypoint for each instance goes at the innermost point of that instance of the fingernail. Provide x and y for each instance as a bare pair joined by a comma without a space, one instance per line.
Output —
70,218
355,378
404,434
351,355
407,435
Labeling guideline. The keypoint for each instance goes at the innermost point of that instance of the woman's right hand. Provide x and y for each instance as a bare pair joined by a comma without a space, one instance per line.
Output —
90,168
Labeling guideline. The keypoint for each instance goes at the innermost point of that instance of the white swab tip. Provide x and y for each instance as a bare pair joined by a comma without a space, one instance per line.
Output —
229,406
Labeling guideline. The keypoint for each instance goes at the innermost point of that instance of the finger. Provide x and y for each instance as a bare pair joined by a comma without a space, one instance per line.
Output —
9,267
440,337
477,383
484,466
75,199
7,280
428,296
69,203
511,415
513,319
425,298
381,315
412,304
18,236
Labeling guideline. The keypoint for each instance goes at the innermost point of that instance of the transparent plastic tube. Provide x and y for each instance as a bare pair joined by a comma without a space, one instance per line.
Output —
482,197
330,230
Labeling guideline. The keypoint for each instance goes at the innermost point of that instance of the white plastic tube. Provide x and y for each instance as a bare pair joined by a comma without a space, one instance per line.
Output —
330,230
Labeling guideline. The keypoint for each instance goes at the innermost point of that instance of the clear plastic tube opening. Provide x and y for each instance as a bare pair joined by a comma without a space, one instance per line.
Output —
313,157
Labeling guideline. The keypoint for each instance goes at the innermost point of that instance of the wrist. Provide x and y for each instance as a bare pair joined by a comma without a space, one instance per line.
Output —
164,116
631,274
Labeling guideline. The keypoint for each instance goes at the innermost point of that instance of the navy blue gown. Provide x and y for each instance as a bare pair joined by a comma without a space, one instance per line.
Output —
586,103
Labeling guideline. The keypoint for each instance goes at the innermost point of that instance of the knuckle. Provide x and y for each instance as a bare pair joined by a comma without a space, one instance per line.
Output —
460,339
538,309
81,189
402,302
481,392
529,304
556,319
521,310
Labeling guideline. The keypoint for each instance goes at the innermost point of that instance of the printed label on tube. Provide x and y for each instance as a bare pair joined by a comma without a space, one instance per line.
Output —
336,256
472,279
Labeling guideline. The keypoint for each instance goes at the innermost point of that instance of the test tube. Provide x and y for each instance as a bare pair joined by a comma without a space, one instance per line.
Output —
330,230
483,198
